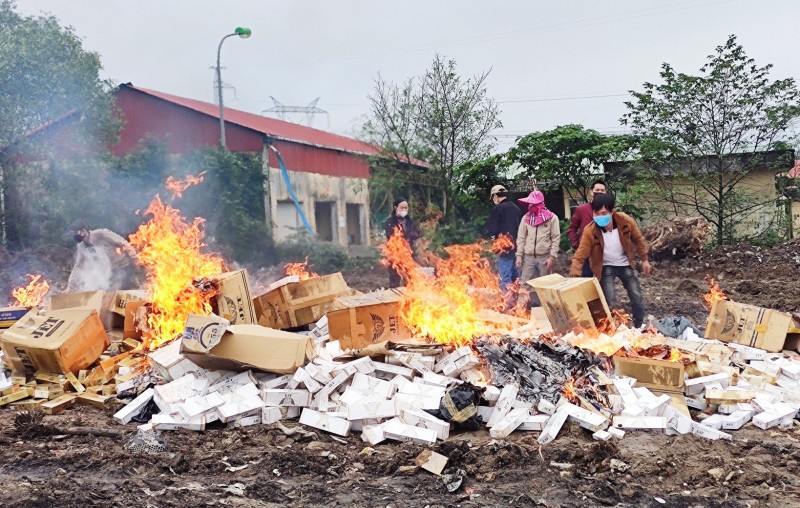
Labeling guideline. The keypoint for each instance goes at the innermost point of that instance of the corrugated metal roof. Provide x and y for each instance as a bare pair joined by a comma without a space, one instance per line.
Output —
272,127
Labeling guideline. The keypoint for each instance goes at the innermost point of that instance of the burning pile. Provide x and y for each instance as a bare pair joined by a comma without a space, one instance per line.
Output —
299,270
31,295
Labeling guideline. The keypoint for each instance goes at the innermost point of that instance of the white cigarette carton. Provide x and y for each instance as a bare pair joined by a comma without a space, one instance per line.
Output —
408,401
399,431
373,434
695,403
615,432
278,382
714,421
625,391
196,406
355,396
585,418
485,412
271,414
640,422
507,397
696,386
773,417
432,378
546,407
371,410
553,426
701,430
325,421
174,422
677,423
245,407
534,422
393,370
492,394
319,374
126,414
419,418
736,420
656,405
363,365
509,423
601,435
371,384
285,397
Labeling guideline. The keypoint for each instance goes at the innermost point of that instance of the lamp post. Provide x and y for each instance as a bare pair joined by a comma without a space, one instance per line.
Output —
244,33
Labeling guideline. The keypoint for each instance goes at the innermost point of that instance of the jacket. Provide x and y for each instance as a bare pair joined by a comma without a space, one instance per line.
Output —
592,245
581,217
406,224
505,219
539,241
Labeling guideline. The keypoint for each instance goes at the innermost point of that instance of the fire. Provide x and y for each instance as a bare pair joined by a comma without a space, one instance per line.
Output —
675,355
569,390
170,251
300,270
516,300
502,244
178,187
31,295
445,307
714,294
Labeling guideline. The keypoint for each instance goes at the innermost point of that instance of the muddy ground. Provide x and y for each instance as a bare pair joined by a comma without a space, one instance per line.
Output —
758,468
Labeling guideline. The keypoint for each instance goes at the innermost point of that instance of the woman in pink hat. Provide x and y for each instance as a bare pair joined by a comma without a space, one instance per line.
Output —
538,239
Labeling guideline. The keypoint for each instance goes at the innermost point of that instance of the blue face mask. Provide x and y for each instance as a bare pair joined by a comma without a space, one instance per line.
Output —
602,220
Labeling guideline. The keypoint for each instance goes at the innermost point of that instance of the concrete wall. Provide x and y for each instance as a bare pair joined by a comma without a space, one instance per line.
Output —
312,189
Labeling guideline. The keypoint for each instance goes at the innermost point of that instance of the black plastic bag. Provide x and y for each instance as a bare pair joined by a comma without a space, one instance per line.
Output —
459,406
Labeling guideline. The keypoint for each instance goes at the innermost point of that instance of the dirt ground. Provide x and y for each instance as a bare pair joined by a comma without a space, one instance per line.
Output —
758,468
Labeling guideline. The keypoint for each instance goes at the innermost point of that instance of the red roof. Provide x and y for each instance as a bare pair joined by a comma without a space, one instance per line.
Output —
271,127
795,171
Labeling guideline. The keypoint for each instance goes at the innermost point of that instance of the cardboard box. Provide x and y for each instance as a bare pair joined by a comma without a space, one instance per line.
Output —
749,325
252,346
291,302
99,301
10,315
204,332
651,373
361,320
571,302
235,300
326,422
123,298
399,431
59,341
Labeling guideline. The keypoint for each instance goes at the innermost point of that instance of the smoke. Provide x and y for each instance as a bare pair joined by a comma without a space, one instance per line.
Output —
92,270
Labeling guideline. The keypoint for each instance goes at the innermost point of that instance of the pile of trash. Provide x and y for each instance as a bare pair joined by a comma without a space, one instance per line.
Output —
343,363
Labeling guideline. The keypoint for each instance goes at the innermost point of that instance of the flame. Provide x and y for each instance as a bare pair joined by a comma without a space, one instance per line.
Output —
714,294
502,244
569,390
300,270
446,307
516,300
178,187
675,355
31,295
170,251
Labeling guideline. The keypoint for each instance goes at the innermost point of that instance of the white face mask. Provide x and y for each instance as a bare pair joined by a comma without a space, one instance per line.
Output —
402,213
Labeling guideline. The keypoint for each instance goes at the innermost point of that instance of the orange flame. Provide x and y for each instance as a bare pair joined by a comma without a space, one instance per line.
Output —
714,294
178,187
170,251
31,295
569,390
516,300
300,270
502,244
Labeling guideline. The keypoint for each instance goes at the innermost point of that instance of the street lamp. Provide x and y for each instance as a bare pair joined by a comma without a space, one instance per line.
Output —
244,33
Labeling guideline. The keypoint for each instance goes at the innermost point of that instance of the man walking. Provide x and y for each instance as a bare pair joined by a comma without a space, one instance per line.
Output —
504,221
582,217
609,245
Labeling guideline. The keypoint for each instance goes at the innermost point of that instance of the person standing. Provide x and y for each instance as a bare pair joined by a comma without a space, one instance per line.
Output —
609,245
400,220
504,221
103,262
538,239
582,217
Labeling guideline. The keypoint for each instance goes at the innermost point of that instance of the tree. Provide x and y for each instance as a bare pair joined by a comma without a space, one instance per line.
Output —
703,134
45,75
439,116
568,157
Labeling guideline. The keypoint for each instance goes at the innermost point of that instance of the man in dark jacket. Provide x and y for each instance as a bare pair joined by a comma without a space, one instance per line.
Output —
504,222
582,217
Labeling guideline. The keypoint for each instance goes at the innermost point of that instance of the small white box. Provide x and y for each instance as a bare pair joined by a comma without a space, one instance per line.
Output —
507,397
174,422
677,423
617,433
714,421
126,414
534,422
736,420
320,375
791,370
553,426
422,390
509,423
695,403
335,383
371,410
229,384
640,422
231,410
773,417
285,397
324,421
492,393
406,401
709,433
278,382
393,370
363,365
246,421
485,412
373,434
546,407
585,418
371,384
601,435
419,418
270,414
432,378
399,431
697,386
196,406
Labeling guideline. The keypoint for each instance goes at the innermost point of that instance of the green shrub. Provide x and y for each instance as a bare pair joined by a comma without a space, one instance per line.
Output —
323,257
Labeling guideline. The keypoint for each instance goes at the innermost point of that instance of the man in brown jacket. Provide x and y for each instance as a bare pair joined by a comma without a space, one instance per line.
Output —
610,244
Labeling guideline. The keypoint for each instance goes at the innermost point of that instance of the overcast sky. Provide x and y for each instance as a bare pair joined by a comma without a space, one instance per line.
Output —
552,62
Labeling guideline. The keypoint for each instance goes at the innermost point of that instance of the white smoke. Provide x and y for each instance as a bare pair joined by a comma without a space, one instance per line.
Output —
92,270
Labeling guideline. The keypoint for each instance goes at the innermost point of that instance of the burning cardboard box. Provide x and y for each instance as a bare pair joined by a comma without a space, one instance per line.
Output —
58,341
660,375
292,302
235,300
571,302
749,325
122,298
361,320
